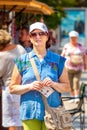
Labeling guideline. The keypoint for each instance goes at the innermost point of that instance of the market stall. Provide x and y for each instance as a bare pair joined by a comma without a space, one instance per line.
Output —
27,6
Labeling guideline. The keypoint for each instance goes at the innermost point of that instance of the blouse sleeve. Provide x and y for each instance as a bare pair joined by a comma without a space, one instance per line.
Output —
22,63
83,49
18,63
61,65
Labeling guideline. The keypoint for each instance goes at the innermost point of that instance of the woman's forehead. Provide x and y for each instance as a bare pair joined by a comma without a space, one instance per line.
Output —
37,30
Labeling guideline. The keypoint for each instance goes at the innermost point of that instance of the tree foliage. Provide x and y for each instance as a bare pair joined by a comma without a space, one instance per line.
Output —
53,20
58,6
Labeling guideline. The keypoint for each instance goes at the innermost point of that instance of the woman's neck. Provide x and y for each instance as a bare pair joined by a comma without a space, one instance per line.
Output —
73,44
40,52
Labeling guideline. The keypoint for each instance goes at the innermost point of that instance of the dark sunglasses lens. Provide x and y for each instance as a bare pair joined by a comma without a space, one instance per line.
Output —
42,34
33,34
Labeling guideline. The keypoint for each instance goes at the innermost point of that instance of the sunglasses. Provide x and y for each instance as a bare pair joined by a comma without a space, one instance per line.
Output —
38,33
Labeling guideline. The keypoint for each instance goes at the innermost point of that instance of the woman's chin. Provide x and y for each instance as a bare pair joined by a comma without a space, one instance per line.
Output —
38,44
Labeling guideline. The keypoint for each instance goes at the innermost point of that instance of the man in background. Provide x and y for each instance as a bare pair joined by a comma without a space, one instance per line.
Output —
24,39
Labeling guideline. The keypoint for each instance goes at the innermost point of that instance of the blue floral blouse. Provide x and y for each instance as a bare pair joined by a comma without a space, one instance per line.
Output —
31,105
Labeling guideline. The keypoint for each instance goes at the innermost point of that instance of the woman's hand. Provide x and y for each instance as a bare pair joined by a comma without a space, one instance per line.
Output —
36,85
48,82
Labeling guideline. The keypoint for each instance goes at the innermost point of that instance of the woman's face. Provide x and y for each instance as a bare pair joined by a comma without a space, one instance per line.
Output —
74,40
38,38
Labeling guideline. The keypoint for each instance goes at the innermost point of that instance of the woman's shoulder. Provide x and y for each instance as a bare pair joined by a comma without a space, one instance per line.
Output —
20,48
82,47
55,56
52,54
22,57
67,45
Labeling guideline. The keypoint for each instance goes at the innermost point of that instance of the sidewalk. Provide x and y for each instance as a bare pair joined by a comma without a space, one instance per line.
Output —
68,105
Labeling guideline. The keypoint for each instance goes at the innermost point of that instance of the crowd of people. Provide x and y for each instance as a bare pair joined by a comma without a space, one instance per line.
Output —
22,103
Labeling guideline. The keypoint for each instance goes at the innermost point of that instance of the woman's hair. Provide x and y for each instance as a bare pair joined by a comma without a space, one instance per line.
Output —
5,37
48,43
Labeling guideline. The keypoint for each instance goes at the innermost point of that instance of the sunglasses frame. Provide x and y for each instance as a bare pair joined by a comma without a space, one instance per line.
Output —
34,34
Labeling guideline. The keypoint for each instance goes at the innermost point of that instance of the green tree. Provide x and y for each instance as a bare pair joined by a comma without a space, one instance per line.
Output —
53,20
58,6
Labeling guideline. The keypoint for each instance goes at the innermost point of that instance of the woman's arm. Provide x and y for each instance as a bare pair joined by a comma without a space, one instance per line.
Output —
63,53
17,88
61,86
15,84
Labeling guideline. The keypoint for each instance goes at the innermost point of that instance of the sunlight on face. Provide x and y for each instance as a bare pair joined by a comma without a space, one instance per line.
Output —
38,38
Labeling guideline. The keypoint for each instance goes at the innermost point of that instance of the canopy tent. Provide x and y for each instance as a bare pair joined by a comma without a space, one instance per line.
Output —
27,6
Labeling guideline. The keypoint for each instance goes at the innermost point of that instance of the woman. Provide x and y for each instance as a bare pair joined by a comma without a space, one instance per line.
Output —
74,50
10,103
52,73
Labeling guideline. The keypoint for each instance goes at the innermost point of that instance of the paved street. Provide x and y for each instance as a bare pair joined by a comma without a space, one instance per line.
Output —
68,105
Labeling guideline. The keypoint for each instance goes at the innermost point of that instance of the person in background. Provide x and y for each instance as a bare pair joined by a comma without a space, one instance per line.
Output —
10,103
52,73
24,39
74,70
5,26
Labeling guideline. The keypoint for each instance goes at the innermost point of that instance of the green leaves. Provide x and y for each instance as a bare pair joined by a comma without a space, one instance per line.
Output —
54,20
